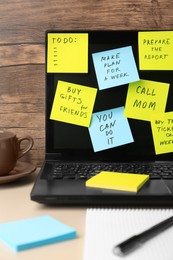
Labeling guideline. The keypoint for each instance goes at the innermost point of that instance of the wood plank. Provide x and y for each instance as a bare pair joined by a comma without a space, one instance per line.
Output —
22,105
22,54
26,21
17,81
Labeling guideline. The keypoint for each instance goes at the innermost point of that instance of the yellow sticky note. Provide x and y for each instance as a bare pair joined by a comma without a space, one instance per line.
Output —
162,129
73,103
67,53
155,50
145,98
118,181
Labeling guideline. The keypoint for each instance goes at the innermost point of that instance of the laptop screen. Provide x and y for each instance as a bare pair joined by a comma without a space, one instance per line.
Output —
109,94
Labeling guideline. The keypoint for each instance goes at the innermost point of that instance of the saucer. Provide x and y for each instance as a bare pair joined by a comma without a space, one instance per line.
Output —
21,170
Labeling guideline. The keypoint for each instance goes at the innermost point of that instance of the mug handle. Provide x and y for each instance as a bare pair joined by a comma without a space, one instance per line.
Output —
27,148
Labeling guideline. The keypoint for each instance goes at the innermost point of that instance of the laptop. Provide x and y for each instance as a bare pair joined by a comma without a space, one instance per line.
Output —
109,107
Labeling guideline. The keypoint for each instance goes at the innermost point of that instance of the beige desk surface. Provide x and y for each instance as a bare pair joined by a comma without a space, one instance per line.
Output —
15,204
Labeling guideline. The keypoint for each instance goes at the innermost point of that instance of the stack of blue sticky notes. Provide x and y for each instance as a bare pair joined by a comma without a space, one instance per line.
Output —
34,232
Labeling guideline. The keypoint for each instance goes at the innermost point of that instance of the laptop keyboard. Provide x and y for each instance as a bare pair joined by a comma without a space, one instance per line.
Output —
86,171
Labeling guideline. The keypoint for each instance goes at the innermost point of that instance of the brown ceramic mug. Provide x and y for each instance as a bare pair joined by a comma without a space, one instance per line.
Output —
11,150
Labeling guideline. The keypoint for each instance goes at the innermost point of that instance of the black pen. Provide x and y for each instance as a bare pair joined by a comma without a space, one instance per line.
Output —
138,240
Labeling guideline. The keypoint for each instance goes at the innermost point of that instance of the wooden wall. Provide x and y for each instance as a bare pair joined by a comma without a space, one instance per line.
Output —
22,61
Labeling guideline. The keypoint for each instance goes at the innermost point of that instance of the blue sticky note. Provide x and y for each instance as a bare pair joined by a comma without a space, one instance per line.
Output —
115,67
34,232
109,128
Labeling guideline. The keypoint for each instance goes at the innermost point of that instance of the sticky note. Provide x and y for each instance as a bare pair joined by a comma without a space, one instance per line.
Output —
118,181
155,50
115,67
109,128
145,98
33,232
67,53
162,130
73,103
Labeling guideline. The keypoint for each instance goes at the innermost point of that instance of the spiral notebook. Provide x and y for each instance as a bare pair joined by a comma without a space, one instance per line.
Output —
106,228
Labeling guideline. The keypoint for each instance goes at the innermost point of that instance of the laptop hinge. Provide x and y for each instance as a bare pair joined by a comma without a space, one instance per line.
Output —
53,156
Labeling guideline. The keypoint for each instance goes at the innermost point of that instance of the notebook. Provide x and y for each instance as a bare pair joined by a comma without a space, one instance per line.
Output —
106,228
108,108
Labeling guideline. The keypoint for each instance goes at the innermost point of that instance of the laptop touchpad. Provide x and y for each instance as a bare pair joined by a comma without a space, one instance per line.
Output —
154,187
